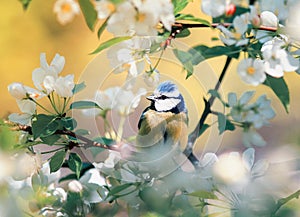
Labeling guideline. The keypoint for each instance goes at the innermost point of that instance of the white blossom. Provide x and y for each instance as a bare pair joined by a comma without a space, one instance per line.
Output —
64,86
236,37
252,71
277,59
151,78
130,55
293,23
66,10
137,17
28,108
214,8
20,91
267,19
104,8
251,137
279,8
44,77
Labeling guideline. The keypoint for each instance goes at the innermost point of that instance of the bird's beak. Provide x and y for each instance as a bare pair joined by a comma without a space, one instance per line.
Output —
151,97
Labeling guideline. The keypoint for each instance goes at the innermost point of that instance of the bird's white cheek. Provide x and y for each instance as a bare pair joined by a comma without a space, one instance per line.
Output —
166,105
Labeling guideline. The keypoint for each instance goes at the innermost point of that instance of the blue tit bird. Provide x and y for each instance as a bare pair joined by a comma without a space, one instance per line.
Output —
163,125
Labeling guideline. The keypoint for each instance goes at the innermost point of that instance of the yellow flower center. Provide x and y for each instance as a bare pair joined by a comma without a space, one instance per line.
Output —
237,35
111,7
66,8
141,17
250,70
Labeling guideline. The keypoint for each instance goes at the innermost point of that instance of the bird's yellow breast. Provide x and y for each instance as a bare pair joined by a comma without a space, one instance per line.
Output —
159,125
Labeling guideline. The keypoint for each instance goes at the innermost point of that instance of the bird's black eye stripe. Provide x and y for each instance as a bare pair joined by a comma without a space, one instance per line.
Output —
162,97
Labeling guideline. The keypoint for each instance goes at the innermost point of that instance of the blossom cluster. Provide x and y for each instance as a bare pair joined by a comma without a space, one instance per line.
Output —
276,54
47,81
253,116
133,17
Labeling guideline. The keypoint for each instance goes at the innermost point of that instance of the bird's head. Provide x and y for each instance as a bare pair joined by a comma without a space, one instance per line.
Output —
167,98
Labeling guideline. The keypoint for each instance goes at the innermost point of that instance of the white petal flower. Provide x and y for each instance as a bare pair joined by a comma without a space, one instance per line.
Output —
104,8
214,8
52,70
279,8
277,60
233,37
66,10
293,23
130,56
23,119
269,19
27,106
241,22
20,91
141,17
252,71
251,137
64,86
75,186
152,79
127,101
26,165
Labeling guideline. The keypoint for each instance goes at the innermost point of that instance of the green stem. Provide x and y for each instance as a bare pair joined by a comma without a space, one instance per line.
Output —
160,56
283,201
41,106
64,105
120,129
52,101
51,151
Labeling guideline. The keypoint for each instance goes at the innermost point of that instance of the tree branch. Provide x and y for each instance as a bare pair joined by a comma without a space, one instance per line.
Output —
207,110
179,25
88,142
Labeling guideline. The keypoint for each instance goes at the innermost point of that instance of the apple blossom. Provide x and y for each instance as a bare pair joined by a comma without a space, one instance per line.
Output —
214,8
39,75
252,71
277,60
66,10
104,8
64,86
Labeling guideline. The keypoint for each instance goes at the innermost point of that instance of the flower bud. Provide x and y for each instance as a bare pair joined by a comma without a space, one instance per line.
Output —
17,90
230,10
268,19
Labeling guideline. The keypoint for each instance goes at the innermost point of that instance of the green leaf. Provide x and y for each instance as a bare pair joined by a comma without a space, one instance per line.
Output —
69,123
25,3
118,189
95,150
202,52
57,160
44,125
204,194
82,132
191,17
110,43
224,123
78,87
75,164
89,13
203,129
280,89
186,59
36,182
179,5
84,105
51,139
184,33
71,176
102,28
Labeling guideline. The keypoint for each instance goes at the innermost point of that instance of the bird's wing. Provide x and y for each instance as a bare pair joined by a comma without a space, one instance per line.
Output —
142,118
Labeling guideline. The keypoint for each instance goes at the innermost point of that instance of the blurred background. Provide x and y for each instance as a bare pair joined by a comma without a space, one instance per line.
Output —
25,34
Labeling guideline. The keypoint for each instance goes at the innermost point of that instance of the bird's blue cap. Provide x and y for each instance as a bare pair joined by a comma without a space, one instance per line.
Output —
166,87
